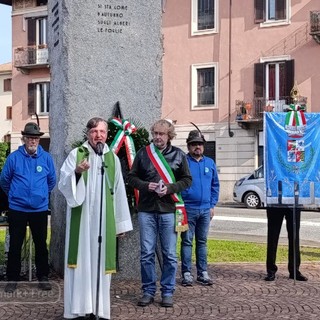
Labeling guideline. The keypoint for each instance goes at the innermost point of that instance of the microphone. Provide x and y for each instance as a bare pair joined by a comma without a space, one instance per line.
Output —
99,148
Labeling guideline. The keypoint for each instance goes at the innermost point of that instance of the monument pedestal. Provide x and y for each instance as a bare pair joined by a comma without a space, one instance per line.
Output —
100,52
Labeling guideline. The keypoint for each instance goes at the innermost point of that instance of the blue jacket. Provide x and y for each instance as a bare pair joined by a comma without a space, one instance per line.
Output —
28,180
204,191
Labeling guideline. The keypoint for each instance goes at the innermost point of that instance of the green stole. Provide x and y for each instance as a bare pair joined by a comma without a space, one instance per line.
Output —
110,236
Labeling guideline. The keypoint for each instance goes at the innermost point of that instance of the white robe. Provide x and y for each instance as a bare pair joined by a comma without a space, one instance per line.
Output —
80,283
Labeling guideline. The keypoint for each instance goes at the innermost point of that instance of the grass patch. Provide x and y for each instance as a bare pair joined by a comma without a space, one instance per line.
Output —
239,251
228,251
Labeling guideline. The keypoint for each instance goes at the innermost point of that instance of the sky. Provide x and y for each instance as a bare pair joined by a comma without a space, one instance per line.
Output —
5,34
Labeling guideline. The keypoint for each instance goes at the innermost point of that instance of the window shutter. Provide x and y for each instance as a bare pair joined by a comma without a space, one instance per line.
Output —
259,80
31,98
289,77
7,85
281,9
32,32
9,113
259,8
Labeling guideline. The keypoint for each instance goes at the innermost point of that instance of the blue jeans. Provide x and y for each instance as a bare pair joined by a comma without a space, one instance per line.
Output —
151,225
199,222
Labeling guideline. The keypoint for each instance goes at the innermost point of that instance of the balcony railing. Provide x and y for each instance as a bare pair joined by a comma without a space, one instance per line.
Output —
31,57
252,111
315,25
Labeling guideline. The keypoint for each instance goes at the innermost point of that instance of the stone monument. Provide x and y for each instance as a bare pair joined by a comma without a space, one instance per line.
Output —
101,52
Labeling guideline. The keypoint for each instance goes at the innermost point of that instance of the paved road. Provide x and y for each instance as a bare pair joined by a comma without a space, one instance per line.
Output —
238,223
239,293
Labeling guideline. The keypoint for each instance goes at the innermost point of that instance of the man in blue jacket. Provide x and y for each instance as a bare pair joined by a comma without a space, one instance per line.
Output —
28,176
199,201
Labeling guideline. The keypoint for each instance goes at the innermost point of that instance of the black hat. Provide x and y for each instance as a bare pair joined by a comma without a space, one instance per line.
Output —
195,136
31,129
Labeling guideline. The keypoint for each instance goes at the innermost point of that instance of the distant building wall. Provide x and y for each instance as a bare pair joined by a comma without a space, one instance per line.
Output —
237,144
5,100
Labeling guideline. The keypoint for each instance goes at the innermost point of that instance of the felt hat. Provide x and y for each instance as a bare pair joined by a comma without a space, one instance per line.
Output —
195,136
32,129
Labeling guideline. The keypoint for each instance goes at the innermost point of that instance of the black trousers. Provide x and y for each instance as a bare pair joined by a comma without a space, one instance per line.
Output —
38,222
275,217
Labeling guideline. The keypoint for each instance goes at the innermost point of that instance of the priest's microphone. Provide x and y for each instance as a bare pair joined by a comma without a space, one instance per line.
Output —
100,147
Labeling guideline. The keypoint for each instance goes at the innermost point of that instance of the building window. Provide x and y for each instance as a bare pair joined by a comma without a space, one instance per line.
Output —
204,16
272,11
9,113
204,86
210,150
37,31
273,82
7,85
42,2
45,143
38,96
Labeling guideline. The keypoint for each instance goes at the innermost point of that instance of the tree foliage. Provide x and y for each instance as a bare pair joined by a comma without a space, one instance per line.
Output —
4,152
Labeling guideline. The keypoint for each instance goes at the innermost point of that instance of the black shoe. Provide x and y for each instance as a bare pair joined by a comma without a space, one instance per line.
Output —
44,284
270,277
11,287
167,302
145,300
299,277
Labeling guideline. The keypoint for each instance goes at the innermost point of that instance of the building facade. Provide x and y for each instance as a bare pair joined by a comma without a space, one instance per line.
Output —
30,68
5,101
227,62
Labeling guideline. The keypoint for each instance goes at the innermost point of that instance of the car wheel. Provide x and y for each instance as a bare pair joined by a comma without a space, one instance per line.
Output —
252,200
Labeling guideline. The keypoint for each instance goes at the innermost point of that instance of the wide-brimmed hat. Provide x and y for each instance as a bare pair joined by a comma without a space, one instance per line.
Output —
195,136
32,129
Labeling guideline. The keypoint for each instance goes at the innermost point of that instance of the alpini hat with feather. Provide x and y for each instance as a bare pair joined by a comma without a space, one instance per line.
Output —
32,129
195,136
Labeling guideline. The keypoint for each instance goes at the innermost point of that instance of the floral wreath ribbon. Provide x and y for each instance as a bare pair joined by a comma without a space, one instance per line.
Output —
123,136
166,174
295,116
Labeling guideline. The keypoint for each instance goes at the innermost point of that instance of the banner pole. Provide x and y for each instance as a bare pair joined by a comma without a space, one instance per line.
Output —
294,226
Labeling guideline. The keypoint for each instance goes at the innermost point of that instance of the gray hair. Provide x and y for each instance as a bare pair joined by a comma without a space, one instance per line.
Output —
93,123
171,130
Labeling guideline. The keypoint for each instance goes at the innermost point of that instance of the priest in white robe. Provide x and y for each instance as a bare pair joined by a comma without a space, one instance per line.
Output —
80,182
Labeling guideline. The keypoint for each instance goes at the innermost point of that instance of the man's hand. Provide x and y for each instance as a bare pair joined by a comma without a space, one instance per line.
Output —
82,166
211,213
153,186
163,191
159,188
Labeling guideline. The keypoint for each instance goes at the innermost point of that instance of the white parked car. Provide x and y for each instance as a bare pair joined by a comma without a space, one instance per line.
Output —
250,189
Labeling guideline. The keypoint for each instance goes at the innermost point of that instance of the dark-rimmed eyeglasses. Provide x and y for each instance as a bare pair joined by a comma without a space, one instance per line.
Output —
194,144
160,134
33,138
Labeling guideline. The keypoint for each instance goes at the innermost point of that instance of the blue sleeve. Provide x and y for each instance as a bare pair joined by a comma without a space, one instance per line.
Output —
6,176
52,179
215,186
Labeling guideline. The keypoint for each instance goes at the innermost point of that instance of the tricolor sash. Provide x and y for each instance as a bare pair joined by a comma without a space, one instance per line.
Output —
166,174
110,236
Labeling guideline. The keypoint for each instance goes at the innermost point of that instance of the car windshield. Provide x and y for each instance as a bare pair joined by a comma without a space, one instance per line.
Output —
259,173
